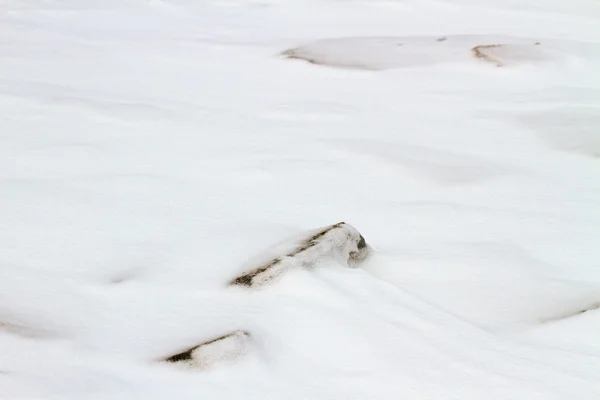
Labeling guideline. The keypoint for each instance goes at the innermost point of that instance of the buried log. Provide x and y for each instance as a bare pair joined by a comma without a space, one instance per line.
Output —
341,240
222,348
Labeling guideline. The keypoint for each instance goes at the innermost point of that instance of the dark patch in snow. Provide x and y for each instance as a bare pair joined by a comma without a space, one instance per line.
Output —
24,331
183,356
246,278
480,52
121,278
592,307
291,54
362,243
313,240
243,280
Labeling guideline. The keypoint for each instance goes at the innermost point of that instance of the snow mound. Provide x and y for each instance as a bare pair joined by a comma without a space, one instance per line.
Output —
380,53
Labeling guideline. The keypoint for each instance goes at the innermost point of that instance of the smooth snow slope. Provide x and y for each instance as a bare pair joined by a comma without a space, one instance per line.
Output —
149,149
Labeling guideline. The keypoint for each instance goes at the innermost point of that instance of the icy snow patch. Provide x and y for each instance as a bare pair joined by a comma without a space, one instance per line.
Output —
379,53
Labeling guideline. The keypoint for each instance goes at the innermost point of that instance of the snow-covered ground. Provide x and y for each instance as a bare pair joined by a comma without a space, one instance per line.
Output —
151,149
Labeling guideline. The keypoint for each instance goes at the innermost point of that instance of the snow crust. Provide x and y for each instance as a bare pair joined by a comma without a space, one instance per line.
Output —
152,150
379,53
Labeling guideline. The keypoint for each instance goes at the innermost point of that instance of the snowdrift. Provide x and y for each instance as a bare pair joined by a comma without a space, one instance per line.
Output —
148,148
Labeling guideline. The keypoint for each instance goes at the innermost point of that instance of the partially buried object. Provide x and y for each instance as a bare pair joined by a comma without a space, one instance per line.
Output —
223,348
340,240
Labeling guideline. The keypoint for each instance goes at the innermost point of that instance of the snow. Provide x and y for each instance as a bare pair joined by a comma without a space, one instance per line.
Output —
379,53
151,150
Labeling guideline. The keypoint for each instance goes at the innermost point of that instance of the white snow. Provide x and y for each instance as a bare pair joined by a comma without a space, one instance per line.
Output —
149,150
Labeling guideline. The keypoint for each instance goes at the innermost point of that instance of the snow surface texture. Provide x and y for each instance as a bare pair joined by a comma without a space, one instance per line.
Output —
147,148
395,52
